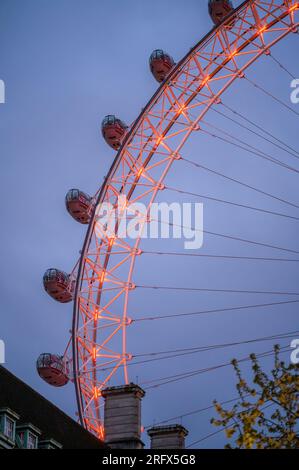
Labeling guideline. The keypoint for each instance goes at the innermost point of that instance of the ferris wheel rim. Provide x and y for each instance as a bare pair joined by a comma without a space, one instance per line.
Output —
173,74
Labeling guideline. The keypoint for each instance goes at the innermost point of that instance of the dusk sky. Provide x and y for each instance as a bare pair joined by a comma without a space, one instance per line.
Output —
68,63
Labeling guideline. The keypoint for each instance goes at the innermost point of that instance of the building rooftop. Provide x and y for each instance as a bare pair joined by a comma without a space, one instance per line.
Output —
35,409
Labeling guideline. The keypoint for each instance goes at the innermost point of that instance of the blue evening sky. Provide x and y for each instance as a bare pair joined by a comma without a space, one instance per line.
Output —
66,64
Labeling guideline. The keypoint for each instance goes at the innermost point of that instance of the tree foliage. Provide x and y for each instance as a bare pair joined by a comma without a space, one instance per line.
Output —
266,413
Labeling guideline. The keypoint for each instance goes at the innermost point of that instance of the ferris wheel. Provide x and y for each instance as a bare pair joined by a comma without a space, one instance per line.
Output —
103,280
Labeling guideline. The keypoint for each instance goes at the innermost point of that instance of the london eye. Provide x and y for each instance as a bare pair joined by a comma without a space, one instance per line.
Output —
191,101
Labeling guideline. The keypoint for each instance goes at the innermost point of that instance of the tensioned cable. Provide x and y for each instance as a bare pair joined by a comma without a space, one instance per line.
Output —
229,237
212,347
197,411
257,153
231,203
186,375
173,354
257,126
189,374
283,67
197,350
271,95
217,234
234,180
207,436
255,149
198,289
229,257
255,133
229,425
217,310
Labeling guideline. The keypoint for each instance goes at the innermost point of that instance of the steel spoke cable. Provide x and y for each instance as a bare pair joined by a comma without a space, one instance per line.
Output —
197,411
231,203
199,289
228,257
237,418
217,310
173,354
254,150
266,139
208,436
257,126
283,67
217,234
212,347
234,180
185,375
248,149
229,237
243,142
191,351
271,95
212,434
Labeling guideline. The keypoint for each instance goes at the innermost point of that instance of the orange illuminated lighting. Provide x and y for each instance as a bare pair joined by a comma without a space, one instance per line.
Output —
182,109
101,432
111,240
97,393
94,354
206,79
262,29
140,172
294,7
102,278
159,140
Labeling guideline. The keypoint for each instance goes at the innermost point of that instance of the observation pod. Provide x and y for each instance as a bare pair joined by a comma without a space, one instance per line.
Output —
113,131
58,285
161,64
219,9
79,205
53,369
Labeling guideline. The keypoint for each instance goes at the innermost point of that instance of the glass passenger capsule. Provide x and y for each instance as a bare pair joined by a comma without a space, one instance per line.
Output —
79,205
58,285
160,64
53,369
219,9
113,131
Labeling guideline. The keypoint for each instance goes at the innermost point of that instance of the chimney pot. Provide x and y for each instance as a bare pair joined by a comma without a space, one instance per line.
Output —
168,437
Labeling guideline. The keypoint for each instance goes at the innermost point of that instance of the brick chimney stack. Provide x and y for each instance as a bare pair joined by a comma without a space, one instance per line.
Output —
122,418
168,437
